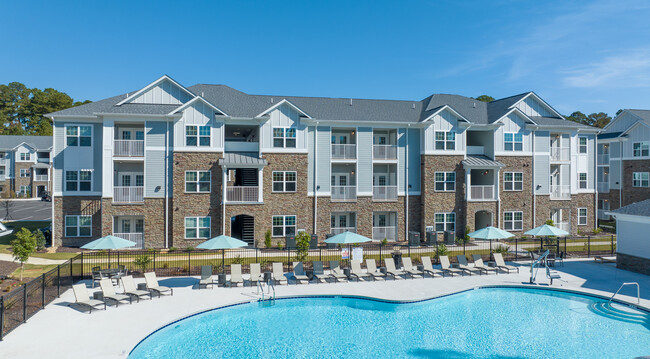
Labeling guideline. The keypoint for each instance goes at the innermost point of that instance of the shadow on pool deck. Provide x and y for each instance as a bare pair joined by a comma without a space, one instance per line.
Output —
609,278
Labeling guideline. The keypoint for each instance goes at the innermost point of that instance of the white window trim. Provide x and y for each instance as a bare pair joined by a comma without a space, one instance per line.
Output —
28,157
643,144
581,217
647,179
586,181
284,181
26,188
198,182
284,226
78,135
580,146
198,227
445,141
513,221
514,142
513,182
445,173
284,136
198,136
65,226
445,222
26,172
78,181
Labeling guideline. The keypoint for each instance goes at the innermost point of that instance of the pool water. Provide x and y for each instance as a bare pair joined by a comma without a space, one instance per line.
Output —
483,323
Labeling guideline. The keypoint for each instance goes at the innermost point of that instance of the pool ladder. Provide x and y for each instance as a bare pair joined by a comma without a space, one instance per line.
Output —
270,286
638,292
534,268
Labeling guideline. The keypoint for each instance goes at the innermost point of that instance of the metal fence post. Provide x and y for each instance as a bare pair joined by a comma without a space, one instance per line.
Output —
464,243
409,250
256,251
154,261
565,252
43,292
58,281
82,267
2,316
189,262
516,249
588,246
380,245
118,259
612,245
25,303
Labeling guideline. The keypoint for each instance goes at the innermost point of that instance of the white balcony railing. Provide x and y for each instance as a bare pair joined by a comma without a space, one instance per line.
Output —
344,193
344,152
384,193
384,152
475,150
40,178
3,161
43,160
603,158
602,215
138,238
560,153
379,233
560,192
242,146
482,192
128,148
242,194
603,187
563,226
131,194
339,230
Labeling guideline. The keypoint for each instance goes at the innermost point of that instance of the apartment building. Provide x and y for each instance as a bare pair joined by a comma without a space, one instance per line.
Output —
173,166
25,165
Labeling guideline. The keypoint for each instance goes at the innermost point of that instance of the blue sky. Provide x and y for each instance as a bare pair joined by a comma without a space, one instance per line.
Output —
578,55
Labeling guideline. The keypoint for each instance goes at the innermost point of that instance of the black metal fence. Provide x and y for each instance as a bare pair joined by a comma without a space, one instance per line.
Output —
20,304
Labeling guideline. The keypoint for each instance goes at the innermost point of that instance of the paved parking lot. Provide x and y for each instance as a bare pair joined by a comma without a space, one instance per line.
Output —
28,210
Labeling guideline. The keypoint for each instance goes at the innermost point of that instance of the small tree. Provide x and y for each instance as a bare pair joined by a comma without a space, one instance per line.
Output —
142,262
267,239
40,239
549,222
7,205
302,246
22,247
441,250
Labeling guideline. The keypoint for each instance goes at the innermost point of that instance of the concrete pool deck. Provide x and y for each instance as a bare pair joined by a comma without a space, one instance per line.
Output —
59,331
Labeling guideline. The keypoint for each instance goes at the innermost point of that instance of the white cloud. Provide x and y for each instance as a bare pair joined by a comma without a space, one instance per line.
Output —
627,69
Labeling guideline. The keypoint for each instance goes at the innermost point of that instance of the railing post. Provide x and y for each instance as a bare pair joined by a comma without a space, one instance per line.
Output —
189,262
25,303
2,316
58,281
565,252
154,261
82,267
43,291
118,259
588,246
256,252
516,250
612,245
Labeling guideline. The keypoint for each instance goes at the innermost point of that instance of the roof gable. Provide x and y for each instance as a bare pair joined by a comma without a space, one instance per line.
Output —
524,104
163,91
277,105
195,100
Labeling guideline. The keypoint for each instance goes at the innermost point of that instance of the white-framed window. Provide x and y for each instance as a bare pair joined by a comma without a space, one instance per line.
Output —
513,220
445,140
582,216
24,172
284,226
79,136
78,181
445,222
25,156
25,190
513,181
78,226
513,141
445,181
284,137
640,149
197,227
284,181
197,181
197,135
582,144
582,180
640,179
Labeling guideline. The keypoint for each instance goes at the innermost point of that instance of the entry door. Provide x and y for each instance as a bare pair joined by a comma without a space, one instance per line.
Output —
340,139
340,179
340,220
556,216
131,134
380,179
380,139
131,179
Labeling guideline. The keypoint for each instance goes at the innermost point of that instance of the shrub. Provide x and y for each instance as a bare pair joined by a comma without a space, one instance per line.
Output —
384,241
189,249
441,250
280,245
503,249
550,222
173,249
22,247
302,246
238,260
598,230
267,239
142,262
165,265
40,239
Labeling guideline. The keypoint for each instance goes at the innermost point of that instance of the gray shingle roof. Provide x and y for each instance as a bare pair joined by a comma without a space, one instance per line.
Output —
604,136
37,142
644,114
641,208
481,161
554,121
242,159
497,108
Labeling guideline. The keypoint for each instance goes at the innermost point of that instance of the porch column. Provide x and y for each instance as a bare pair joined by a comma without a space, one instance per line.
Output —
224,176
468,184
260,198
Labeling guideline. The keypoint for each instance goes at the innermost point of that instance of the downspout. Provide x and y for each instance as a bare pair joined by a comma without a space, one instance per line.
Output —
315,187
595,176
620,175
224,170
532,181
406,186
166,186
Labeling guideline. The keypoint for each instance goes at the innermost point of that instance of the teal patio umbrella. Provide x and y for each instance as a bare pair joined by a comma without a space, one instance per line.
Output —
547,230
347,238
490,233
222,242
109,242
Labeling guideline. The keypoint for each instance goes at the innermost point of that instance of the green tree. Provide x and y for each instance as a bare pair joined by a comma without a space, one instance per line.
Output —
619,111
485,98
599,119
40,239
302,246
578,117
22,247
267,239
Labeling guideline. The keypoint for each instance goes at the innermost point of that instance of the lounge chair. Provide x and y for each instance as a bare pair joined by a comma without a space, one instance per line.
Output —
206,277
478,263
336,272
235,275
319,273
355,270
256,273
391,270
447,268
152,284
428,267
371,266
96,276
128,284
463,265
278,273
109,292
83,299
498,259
298,273
410,268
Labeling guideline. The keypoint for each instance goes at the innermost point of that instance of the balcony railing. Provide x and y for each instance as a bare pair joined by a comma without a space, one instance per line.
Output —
3,161
560,192
384,152
40,178
344,193
603,158
475,150
128,148
138,238
131,194
563,226
603,187
482,192
43,160
344,152
602,215
379,233
241,146
242,194
339,230
560,153
384,193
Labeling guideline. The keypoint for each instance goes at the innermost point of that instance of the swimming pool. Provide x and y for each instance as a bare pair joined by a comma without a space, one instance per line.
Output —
484,323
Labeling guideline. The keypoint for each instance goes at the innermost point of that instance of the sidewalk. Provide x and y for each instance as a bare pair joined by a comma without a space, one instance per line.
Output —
37,261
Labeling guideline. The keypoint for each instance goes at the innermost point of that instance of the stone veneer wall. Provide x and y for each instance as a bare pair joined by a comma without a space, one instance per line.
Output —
153,212
633,194
23,181
570,210
517,200
73,205
632,263
432,201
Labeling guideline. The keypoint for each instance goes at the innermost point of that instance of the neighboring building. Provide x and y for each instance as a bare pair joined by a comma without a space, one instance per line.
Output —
25,164
173,166
632,241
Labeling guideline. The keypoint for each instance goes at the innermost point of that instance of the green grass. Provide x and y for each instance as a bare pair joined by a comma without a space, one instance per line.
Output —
56,256
32,271
16,226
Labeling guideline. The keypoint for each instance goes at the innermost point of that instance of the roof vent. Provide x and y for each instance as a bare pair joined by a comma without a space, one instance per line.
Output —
474,104
350,102
202,94
271,99
413,106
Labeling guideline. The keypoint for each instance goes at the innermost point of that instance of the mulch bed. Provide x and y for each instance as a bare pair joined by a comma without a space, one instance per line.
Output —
69,250
7,268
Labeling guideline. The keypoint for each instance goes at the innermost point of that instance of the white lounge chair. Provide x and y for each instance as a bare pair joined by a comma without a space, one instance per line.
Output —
299,273
319,272
478,263
83,299
109,292
356,271
371,266
428,267
278,273
498,259
410,268
206,277
391,270
235,275
336,272
462,264
256,273
131,289
152,284
446,266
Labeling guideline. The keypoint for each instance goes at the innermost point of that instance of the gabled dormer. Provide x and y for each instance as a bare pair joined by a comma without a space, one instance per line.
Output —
163,91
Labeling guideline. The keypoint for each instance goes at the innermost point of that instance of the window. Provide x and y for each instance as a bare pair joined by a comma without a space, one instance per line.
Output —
24,172
78,226
197,227
513,141
197,181
640,149
78,180
197,135
78,136
284,137
25,156
582,180
582,144
445,222
445,140
513,181
640,179
513,220
25,190
445,181
582,216
284,226
284,181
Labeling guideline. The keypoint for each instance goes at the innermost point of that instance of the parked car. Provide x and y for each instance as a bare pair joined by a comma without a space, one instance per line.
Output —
45,196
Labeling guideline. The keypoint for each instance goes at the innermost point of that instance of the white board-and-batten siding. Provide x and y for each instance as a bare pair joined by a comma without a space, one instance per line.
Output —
443,121
164,93
287,117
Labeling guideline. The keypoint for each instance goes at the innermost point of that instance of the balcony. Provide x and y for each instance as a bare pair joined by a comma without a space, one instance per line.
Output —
603,187
239,146
475,150
40,178
384,193
563,226
379,233
344,193
603,158
384,152
243,194
560,192
128,148
43,160
339,230
482,193
560,154
344,152
130,194
138,238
